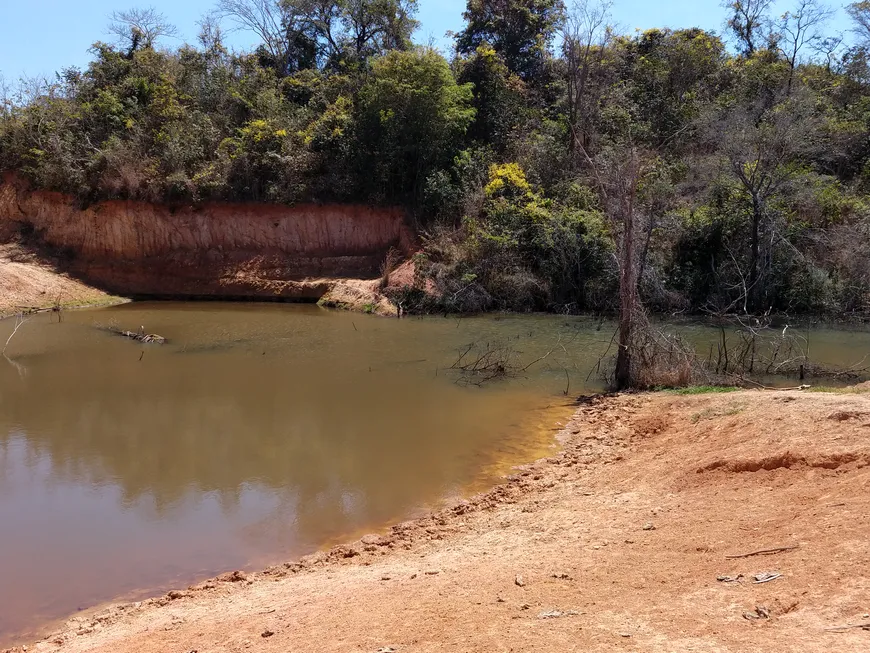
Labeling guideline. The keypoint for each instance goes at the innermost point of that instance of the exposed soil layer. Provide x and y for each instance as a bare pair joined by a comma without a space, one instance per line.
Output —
254,251
616,544
26,281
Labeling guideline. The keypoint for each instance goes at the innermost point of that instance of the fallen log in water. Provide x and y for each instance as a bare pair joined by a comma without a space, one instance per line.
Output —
149,338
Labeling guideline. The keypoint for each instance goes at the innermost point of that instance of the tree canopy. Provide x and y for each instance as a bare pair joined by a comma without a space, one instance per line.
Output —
746,156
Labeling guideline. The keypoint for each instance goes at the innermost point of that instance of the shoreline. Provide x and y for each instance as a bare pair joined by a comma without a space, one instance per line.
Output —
32,282
613,543
28,279
340,548
29,283
35,310
542,438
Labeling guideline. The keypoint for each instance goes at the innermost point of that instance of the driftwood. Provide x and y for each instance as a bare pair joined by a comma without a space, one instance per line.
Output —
138,336
742,381
763,552
766,577
843,629
480,364
148,338
20,321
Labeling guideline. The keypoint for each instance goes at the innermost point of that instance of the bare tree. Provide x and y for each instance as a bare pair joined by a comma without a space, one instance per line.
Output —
860,14
829,49
759,145
585,35
749,22
270,20
620,196
210,34
140,28
799,29
622,173
6,100
37,94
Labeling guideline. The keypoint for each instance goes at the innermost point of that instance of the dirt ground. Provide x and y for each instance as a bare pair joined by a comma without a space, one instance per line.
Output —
28,281
25,281
618,543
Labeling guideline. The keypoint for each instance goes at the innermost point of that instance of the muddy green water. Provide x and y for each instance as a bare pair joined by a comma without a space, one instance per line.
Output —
257,434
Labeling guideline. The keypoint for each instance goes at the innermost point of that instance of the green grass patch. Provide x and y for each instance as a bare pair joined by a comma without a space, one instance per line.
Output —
844,390
702,390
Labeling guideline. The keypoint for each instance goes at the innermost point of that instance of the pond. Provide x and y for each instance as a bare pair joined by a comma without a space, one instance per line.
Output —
256,434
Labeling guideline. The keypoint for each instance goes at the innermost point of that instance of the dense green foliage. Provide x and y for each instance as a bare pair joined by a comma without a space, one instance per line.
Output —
746,168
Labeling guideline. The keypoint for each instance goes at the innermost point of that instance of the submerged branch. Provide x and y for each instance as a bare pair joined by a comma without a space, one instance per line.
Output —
20,321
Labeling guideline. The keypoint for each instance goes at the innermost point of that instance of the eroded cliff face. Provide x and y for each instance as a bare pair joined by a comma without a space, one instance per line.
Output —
207,250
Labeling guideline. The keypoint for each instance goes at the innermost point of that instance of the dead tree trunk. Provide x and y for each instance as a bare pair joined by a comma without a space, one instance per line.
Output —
618,175
628,297
755,255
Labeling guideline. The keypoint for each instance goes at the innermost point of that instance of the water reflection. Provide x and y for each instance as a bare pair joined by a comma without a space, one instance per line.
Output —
255,434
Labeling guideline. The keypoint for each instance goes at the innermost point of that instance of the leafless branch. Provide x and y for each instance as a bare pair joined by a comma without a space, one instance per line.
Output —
20,321
140,27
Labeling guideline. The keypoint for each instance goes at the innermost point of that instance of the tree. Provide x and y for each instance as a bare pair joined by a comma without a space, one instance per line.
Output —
799,29
283,30
749,22
860,14
301,34
140,28
374,27
519,30
498,98
634,191
6,102
411,119
354,31
761,148
628,178
669,75
830,50
585,35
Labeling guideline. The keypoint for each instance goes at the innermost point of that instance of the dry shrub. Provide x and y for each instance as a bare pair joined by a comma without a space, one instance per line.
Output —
450,269
843,248
750,347
519,290
753,347
744,354
127,174
659,358
389,264
480,363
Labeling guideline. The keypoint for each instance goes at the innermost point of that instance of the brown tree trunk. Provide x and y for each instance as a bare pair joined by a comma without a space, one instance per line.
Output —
752,289
627,304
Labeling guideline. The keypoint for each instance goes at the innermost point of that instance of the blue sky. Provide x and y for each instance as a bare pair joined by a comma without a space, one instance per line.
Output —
42,36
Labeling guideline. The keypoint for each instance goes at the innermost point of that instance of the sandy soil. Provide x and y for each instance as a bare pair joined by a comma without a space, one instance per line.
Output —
26,281
615,544
360,295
